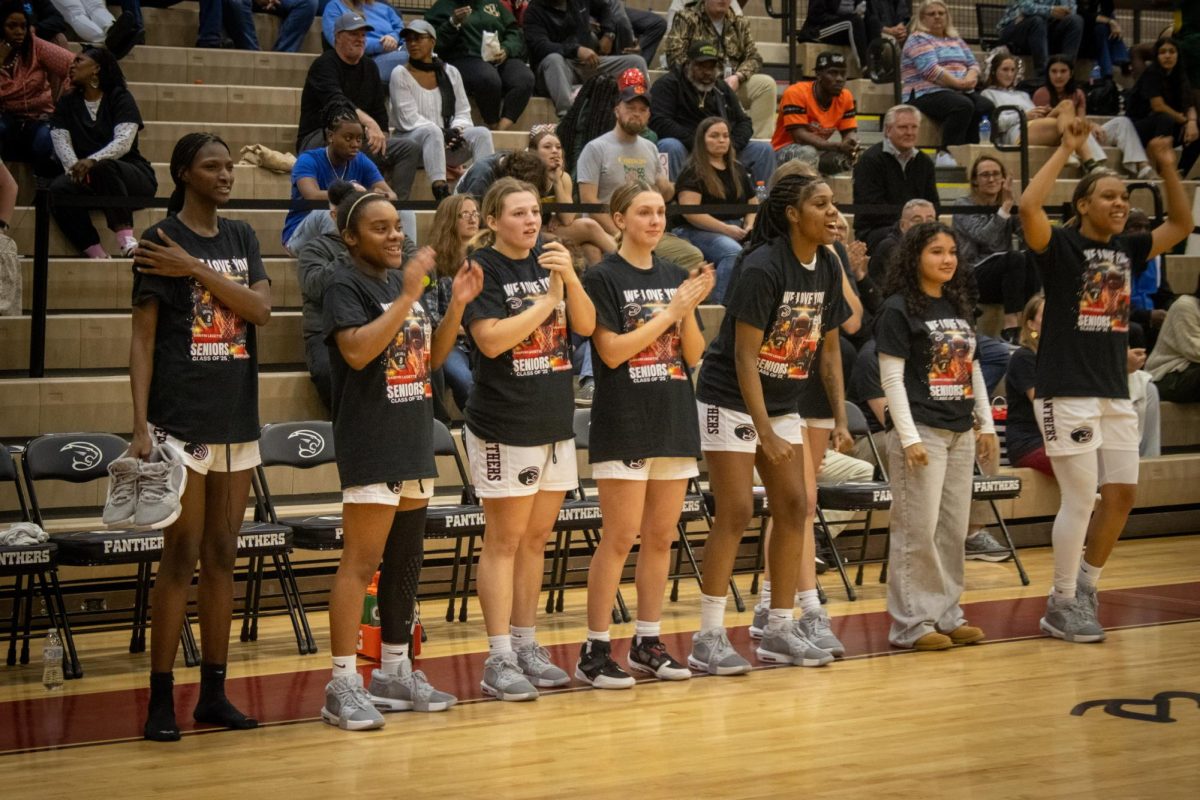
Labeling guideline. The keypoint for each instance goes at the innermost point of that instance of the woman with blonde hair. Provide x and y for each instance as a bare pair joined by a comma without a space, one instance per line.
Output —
583,232
455,224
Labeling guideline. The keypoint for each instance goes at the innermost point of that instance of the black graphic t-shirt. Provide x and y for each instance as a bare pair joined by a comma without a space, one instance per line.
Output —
939,355
524,396
205,383
1085,322
382,413
1021,433
794,307
644,408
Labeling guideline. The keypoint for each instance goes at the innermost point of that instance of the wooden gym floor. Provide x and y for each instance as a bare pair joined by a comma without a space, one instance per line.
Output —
993,720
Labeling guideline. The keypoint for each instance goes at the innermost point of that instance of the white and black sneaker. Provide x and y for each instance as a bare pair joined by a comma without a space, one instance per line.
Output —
649,655
597,668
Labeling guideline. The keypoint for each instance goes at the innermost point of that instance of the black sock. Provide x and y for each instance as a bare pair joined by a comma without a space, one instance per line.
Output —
213,707
160,718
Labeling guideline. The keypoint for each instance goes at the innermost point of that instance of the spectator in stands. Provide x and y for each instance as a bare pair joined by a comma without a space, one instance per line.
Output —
95,131
500,84
574,229
1150,293
1003,272
1120,132
345,73
383,345
1050,105
431,112
1040,27
892,172
1102,37
809,114
1162,104
1175,361
89,19
385,37
714,176
915,212
941,77
838,22
455,224
714,22
563,50
1022,435
622,155
523,165
692,92
296,18
45,22
638,30
32,71
341,159
196,270
221,18
888,18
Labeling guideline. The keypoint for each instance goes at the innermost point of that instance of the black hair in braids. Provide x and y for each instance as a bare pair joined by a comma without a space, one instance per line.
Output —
185,152
591,115
337,111
772,222
110,74
904,273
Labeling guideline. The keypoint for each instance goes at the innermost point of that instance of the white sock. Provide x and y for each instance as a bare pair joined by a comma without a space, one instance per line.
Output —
712,612
523,637
764,595
391,656
1076,476
345,666
778,618
500,644
599,636
643,629
1089,576
808,600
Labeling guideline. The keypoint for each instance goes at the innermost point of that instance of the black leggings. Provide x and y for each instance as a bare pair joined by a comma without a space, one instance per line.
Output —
1159,124
957,112
501,91
402,557
1007,278
107,177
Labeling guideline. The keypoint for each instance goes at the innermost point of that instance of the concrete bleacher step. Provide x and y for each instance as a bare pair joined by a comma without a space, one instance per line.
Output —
1184,273
84,284
101,341
1180,426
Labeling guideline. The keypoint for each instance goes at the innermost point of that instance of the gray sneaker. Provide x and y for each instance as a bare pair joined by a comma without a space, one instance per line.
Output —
122,493
162,479
1071,620
407,691
982,546
536,664
1087,597
348,706
814,624
789,645
759,623
712,653
503,679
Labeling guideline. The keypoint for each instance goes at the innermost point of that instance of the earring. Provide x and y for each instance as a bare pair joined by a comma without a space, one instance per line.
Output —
94,83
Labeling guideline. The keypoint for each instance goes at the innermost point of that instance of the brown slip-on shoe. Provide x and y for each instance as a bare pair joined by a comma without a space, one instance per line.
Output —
933,641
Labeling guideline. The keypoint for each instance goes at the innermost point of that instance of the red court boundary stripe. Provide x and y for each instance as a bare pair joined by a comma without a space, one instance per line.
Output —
81,720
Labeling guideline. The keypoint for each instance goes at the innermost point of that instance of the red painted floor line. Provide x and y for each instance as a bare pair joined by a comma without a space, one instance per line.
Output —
73,720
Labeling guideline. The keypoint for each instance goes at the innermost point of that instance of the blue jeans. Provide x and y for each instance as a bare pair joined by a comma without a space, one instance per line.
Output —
232,17
1108,51
757,157
297,19
581,356
718,248
389,61
456,370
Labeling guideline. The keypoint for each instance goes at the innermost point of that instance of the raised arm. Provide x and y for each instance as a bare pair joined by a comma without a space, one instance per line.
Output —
1033,219
1179,211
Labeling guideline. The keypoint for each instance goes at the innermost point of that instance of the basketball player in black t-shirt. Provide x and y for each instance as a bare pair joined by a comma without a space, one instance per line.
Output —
1080,385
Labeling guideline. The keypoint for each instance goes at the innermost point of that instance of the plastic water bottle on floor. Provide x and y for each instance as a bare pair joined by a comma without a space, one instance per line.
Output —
985,131
760,191
52,656
1095,76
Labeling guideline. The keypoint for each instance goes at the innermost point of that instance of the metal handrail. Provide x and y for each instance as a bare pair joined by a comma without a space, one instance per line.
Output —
788,22
1021,147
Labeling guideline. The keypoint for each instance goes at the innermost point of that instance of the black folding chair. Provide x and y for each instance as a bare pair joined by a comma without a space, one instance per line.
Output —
458,521
26,564
82,458
868,496
990,488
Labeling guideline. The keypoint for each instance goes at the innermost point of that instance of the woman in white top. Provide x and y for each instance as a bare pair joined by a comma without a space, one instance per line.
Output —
430,107
1043,121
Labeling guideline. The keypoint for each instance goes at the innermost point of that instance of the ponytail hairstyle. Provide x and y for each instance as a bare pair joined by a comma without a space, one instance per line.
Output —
622,199
904,273
493,205
185,152
349,210
790,191
338,190
1028,336
1085,188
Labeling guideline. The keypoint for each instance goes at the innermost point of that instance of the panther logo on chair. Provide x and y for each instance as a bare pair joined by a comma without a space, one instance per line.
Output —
84,455
310,445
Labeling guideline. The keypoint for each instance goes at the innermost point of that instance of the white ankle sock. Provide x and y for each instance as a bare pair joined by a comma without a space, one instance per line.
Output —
345,666
764,595
391,656
778,618
599,636
1088,575
712,612
523,637
642,629
499,644
808,599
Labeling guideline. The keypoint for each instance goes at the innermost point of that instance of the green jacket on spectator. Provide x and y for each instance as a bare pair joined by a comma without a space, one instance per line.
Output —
454,41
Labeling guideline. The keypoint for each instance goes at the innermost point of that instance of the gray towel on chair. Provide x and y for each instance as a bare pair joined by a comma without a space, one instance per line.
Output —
23,533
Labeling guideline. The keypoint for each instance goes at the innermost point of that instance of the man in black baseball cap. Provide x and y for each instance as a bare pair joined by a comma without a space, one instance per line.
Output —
810,113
